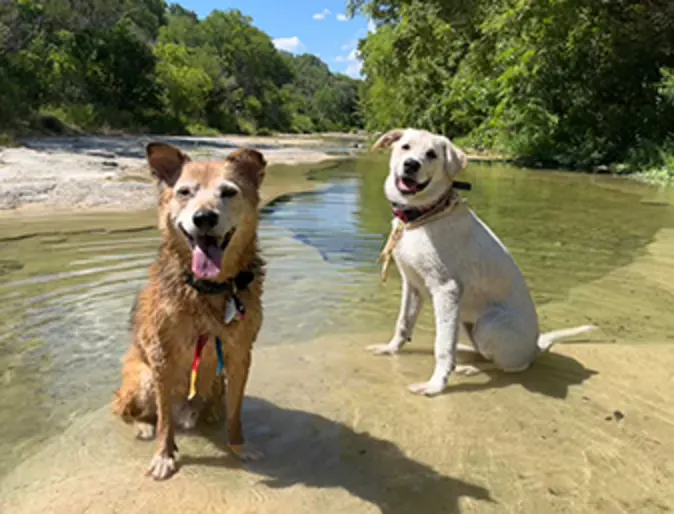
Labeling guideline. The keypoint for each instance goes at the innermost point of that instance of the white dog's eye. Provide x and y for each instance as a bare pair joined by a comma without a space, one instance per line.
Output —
431,154
405,147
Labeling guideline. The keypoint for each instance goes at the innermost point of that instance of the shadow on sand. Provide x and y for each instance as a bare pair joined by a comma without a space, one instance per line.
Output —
551,374
307,449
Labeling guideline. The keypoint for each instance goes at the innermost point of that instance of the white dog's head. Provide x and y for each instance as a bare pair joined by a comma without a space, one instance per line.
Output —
422,166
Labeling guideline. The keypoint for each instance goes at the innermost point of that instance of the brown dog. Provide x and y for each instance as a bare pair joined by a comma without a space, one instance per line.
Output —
209,257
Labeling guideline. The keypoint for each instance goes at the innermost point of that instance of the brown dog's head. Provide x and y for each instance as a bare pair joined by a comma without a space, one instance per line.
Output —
204,203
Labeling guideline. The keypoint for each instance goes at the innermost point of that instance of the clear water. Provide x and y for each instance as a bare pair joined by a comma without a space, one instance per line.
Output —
66,297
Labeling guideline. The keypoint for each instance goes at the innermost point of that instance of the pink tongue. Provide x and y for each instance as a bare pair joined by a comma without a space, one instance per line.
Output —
404,187
207,263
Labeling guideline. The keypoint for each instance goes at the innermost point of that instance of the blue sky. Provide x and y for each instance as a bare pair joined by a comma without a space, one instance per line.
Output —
319,27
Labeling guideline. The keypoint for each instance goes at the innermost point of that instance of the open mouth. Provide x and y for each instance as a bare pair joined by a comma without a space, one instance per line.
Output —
207,252
409,186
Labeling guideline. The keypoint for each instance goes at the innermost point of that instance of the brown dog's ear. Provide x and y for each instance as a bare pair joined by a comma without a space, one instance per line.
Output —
253,164
247,154
388,139
166,162
455,159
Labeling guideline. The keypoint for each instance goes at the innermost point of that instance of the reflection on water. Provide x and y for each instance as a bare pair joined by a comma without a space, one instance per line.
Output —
66,298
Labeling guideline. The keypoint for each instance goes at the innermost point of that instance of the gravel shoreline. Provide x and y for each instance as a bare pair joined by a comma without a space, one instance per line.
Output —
110,172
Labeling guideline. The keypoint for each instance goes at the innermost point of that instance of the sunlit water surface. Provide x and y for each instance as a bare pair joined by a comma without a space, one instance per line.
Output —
66,298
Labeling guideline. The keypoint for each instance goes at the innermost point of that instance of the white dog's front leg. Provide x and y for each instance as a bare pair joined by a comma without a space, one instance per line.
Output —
446,301
410,305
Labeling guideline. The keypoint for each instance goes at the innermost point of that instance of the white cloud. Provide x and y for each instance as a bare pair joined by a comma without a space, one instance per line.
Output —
354,65
371,27
360,34
355,69
342,17
320,16
289,44
353,61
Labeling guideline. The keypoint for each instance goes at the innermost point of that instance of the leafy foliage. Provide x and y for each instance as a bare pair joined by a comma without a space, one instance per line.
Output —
322,101
144,65
576,83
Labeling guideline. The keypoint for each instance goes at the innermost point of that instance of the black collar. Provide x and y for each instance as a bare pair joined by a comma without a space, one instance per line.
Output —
210,287
410,214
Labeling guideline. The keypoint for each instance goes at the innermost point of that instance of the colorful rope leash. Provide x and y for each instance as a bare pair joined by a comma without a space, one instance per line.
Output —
234,310
221,355
201,342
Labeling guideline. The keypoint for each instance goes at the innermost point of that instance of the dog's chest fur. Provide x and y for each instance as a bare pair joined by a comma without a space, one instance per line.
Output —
435,249
170,316
459,247
417,258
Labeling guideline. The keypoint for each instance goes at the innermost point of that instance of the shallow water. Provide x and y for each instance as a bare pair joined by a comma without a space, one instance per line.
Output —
66,297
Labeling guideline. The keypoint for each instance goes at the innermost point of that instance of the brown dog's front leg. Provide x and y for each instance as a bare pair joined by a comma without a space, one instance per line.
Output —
163,463
216,405
238,365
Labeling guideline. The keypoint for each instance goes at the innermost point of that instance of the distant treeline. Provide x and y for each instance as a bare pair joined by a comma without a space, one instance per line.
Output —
143,65
576,83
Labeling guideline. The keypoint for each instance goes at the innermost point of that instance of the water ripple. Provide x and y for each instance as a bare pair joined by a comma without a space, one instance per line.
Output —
65,303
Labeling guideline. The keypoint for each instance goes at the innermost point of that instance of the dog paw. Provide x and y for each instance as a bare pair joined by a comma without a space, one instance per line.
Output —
246,453
467,370
429,388
382,349
144,431
162,466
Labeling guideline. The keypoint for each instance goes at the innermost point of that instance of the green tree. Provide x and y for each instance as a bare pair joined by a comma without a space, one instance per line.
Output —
324,101
570,82
144,65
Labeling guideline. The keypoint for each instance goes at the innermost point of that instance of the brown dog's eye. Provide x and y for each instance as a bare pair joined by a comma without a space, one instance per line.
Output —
184,192
431,154
228,192
405,147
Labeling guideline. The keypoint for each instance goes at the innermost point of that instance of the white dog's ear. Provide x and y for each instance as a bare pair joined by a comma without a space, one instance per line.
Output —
455,159
388,139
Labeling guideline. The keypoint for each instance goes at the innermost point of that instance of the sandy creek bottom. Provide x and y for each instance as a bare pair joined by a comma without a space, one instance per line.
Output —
589,428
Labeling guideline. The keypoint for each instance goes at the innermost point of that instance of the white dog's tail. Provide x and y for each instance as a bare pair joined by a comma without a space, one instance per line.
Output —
545,341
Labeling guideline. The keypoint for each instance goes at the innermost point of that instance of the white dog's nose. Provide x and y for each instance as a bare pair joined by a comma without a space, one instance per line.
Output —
411,166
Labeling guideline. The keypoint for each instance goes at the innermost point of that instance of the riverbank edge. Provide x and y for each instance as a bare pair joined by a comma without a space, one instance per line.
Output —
40,220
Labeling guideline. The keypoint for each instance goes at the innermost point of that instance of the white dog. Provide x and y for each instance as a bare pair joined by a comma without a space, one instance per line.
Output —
444,250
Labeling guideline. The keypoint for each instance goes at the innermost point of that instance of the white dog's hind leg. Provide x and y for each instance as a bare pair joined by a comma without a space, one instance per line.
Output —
410,306
469,370
469,349
503,338
446,309
466,348
480,366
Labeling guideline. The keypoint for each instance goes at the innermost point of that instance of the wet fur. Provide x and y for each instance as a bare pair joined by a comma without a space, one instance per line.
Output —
168,315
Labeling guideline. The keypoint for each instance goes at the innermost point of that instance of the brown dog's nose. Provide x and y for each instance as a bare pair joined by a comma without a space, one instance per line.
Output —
205,219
